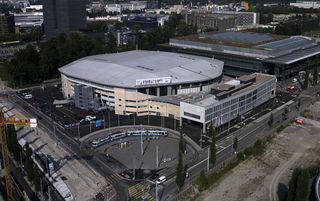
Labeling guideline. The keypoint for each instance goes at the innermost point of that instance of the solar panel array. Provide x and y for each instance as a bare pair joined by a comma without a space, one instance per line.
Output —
241,37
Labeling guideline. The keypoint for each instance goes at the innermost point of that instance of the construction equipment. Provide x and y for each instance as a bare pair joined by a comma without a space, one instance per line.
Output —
4,148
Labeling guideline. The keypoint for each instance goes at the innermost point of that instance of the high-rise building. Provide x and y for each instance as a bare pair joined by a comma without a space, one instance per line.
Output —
6,23
153,4
63,16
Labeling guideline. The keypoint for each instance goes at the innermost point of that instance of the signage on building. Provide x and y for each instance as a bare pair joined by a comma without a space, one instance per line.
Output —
153,81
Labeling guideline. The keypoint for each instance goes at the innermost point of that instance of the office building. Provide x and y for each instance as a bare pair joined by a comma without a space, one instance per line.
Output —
6,23
221,20
63,16
144,22
306,4
153,4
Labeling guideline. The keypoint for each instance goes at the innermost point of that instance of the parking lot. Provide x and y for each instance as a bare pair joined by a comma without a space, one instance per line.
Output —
74,119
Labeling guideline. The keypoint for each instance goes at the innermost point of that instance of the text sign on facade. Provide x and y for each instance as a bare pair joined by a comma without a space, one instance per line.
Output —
33,123
153,81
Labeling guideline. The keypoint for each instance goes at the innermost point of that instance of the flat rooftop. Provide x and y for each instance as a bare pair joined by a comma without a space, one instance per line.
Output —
125,68
261,46
232,87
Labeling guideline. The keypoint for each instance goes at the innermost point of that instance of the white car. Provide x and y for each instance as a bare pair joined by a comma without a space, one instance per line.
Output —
161,179
294,80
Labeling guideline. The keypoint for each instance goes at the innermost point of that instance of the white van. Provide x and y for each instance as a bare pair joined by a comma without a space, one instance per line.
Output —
161,179
28,96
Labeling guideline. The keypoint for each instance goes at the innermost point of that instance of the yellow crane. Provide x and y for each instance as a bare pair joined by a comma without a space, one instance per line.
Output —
4,148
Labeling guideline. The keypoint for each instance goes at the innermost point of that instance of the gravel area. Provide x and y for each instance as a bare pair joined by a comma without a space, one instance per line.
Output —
266,177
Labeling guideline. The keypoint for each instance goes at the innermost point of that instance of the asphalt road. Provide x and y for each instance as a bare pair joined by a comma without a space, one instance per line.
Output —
74,147
95,163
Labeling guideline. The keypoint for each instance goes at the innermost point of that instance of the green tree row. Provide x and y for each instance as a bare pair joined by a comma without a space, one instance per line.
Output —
35,64
13,147
173,27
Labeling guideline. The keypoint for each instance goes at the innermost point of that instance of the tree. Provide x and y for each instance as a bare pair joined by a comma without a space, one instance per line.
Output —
29,163
213,146
315,74
270,122
9,138
202,181
306,80
211,129
302,187
285,113
36,179
235,143
292,185
112,44
15,145
135,28
179,172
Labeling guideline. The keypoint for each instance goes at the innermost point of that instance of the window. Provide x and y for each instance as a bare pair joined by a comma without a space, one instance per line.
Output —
191,115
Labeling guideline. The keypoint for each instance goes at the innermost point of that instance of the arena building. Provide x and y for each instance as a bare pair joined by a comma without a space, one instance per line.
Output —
126,81
246,52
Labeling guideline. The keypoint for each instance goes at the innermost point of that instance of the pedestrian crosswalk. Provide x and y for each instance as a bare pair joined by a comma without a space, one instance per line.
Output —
138,191
113,178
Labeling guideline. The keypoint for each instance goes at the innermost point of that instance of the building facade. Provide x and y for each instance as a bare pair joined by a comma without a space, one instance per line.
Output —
6,23
206,20
229,100
63,16
144,22
306,4
153,4
126,81
221,20
244,52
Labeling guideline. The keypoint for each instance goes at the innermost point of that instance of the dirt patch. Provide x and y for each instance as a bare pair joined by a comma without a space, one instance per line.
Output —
263,177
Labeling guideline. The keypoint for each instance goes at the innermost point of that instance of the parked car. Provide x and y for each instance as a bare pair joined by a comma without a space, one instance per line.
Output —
161,179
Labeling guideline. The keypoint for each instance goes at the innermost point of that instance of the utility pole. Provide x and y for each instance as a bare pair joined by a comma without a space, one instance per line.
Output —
55,134
208,160
109,117
49,194
157,156
90,125
118,121
201,138
79,131
134,119
141,143
157,191
134,169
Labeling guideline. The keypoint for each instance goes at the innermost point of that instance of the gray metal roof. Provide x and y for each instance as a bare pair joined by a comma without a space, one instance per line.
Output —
123,69
297,55
252,45
242,37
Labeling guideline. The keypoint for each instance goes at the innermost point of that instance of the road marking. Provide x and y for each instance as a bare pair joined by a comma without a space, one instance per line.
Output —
113,178
138,190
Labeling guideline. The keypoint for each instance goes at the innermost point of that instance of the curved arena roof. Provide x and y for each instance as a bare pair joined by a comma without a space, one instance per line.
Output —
123,69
